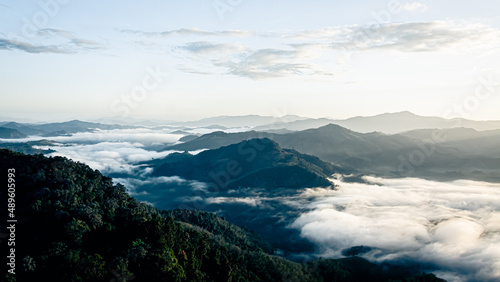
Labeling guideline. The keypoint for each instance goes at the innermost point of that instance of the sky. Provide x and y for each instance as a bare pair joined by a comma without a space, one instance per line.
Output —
186,60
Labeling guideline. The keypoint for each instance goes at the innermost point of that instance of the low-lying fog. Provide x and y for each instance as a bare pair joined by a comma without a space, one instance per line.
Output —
451,229
454,227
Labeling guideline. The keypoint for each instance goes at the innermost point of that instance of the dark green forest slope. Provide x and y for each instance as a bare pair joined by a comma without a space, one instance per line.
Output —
74,224
250,163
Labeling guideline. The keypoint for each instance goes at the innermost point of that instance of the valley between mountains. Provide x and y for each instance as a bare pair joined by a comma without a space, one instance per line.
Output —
316,200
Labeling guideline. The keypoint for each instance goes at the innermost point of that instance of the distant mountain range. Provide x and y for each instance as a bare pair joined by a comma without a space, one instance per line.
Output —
438,154
28,147
225,121
25,129
60,128
389,123
241,121
252,163
428,147
9,133
121,120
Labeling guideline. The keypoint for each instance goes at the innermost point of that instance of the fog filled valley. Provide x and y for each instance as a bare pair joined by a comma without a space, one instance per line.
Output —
425,198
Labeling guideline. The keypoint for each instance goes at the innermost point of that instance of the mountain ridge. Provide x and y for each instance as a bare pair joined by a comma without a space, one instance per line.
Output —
473,155
390,123
250,163
94,231
9,133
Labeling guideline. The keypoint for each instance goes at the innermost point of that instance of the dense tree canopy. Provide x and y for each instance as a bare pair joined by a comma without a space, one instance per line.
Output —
74,224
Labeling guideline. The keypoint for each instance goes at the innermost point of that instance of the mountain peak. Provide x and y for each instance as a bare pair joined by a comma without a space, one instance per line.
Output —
331,127
404,113
9,133
258,162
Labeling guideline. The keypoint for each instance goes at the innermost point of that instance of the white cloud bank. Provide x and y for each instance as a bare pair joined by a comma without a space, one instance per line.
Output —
109,157
143,136
112,151
246,200
452,226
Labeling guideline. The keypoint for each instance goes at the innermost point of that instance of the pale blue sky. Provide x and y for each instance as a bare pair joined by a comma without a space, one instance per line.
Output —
90,59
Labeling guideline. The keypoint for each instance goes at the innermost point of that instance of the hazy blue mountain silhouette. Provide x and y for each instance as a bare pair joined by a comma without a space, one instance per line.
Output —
251,163
9,133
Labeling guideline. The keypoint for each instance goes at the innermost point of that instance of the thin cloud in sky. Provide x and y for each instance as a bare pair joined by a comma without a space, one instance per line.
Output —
85,43
204,47
417,37
306,53
256,64
327,46
61,42
192,32
9,44
407,37
272,63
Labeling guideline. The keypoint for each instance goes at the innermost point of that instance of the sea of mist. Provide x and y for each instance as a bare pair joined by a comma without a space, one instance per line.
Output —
449,228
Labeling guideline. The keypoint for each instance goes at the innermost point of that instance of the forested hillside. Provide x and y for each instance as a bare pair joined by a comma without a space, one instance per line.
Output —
74,224
250,163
